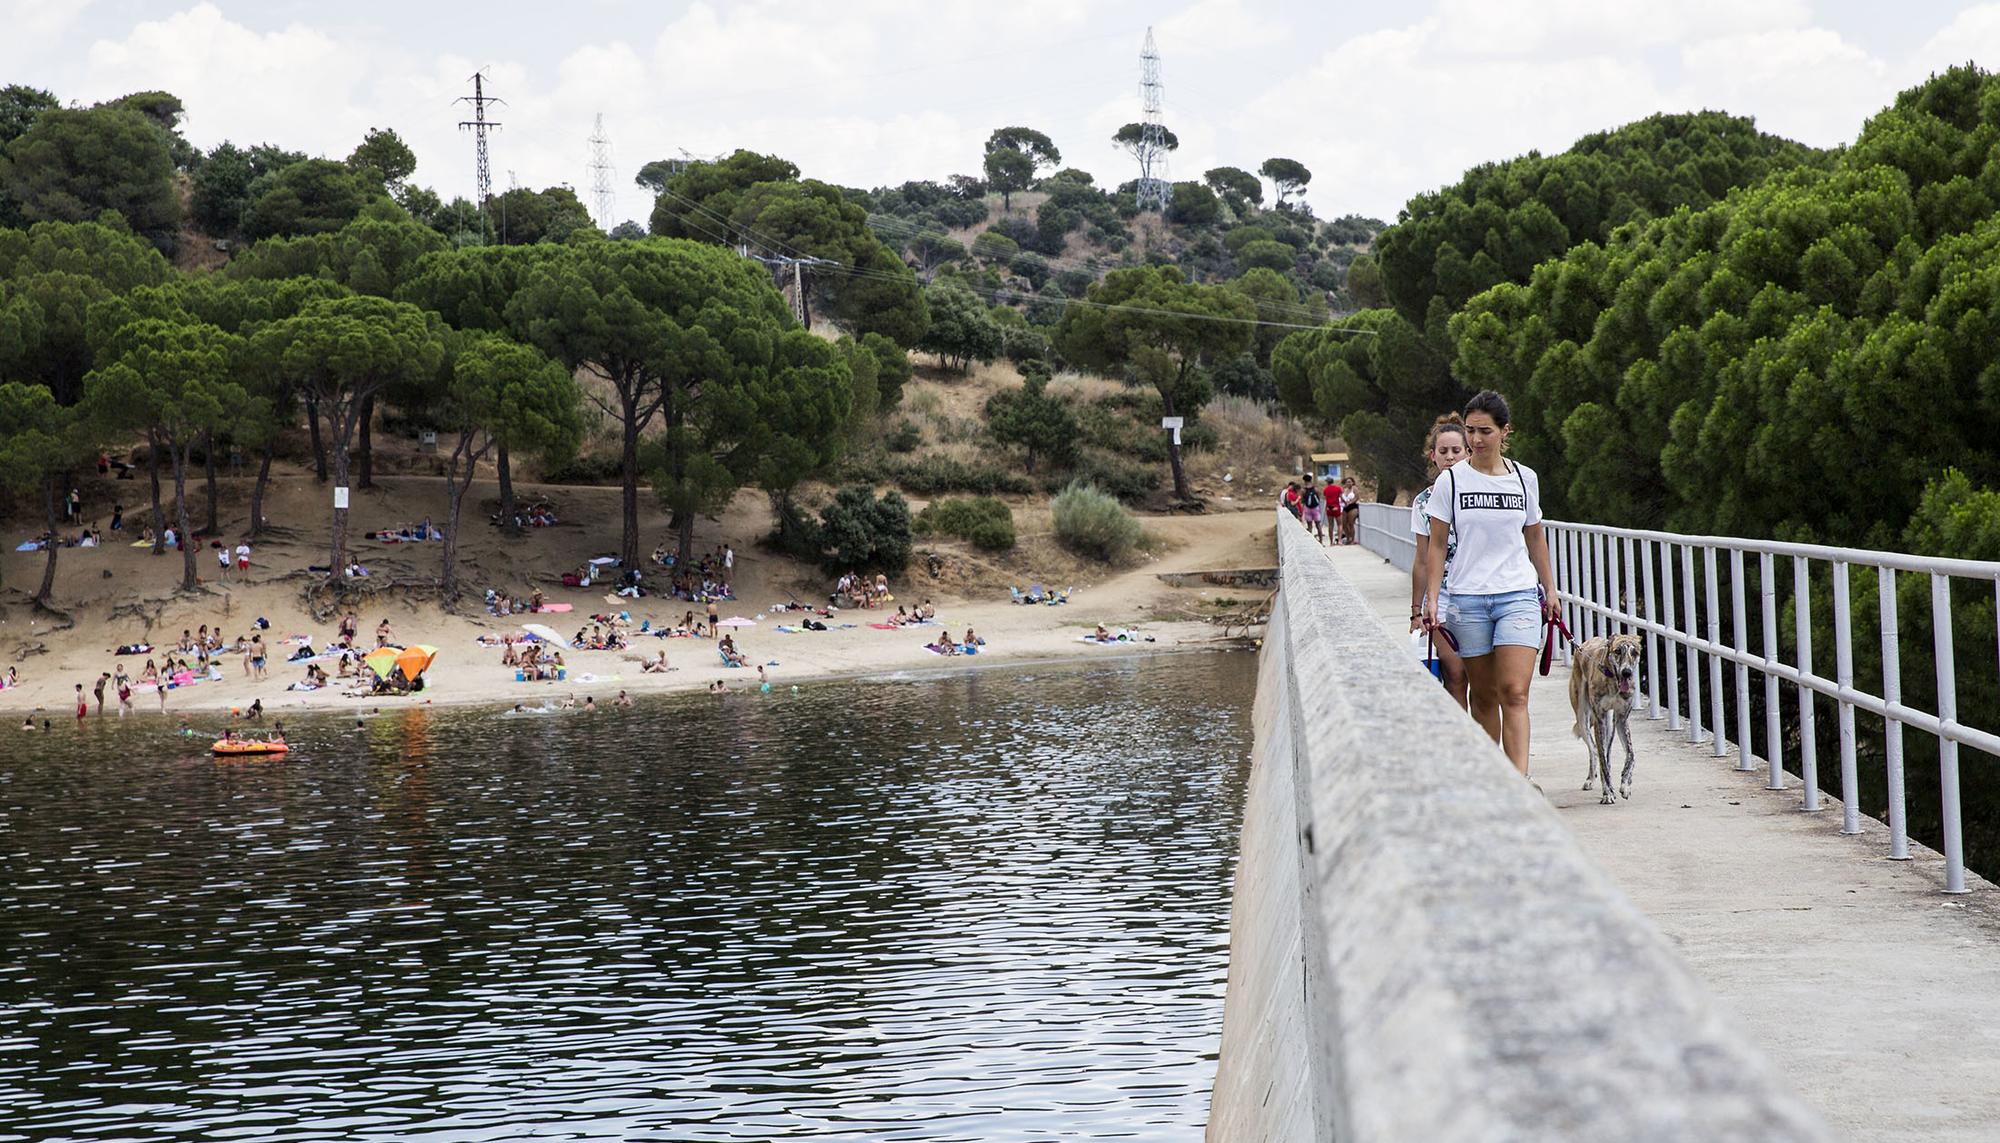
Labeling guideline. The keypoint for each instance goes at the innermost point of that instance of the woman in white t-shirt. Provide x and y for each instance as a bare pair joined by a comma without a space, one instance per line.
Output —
1502,585
1443,448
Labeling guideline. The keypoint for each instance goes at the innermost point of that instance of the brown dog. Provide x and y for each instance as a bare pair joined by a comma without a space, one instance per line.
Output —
1603,685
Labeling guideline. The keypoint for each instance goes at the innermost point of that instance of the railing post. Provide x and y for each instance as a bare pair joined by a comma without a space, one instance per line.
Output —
1892,730
1843,677
1774,742
1693,633
1631,608
1947,688
1652,637
1713,600
1565,574
1671,652
1738,621
1808,750
1600,624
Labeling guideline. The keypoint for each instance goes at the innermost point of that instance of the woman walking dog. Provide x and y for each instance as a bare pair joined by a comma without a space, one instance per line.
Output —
1502,585
1444,448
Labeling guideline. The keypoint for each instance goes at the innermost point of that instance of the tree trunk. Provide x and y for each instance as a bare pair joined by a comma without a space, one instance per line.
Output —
342,421
454,495
628,546
1174,448
214,526
159,512
48,587
508,525
684,540
318,442
257,492
367,428
190,577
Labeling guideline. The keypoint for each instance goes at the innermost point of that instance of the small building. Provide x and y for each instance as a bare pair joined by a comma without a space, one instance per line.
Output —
1329,466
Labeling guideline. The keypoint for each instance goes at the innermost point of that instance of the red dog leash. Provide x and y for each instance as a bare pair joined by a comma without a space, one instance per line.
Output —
1552,626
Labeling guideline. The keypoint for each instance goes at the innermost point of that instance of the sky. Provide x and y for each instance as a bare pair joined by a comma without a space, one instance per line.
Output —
1381,99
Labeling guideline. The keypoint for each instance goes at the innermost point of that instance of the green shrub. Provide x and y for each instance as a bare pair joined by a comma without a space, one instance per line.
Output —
1092,523
906,438
936,475
602,467
1128,481
985,522
860,533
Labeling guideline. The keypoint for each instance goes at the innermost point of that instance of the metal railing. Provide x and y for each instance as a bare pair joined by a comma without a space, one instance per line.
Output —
1385,530
1672,590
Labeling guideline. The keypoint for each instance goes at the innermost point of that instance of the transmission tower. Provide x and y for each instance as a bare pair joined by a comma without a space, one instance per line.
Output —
1152,151
479,124
603,197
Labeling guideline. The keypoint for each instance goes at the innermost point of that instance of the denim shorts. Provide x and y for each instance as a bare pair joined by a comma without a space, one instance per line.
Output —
1478,622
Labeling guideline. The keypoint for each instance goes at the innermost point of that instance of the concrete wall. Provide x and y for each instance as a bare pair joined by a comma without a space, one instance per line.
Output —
1419,950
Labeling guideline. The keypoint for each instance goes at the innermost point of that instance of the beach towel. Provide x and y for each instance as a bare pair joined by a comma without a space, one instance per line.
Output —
789,630
603,561
556,608
884,626
32,546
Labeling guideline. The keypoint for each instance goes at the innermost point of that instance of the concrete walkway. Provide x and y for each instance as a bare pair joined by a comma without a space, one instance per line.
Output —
1877,995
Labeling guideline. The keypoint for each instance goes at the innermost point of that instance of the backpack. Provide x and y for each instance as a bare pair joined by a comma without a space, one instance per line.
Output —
1309,498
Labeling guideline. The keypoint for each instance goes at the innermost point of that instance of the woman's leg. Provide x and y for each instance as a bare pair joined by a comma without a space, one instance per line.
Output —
1483,690
1513,669
1453,668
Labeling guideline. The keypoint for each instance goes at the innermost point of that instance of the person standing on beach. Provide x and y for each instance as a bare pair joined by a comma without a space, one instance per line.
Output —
243,559
222,557
98,690
712,613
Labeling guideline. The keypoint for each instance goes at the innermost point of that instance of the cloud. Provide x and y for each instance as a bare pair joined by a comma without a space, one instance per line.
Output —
33,25
1208,27
295,86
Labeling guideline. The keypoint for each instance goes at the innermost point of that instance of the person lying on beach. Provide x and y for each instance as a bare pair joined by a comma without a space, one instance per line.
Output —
657,665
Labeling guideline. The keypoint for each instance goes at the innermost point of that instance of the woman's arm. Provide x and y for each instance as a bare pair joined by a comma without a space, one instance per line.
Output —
1419,567
1434,567
1538,552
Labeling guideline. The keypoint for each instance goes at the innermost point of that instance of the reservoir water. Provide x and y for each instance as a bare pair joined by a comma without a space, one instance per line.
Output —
985,906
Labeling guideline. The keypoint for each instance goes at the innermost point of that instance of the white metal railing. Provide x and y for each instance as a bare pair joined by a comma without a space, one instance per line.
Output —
1385,530
1620,579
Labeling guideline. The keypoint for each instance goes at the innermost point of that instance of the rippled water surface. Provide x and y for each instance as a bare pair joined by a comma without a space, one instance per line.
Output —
983,907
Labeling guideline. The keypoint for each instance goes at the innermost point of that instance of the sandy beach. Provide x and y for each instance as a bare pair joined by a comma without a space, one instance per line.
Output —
122,594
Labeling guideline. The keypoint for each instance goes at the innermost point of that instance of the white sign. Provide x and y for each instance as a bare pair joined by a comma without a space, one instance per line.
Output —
1171,422
339,497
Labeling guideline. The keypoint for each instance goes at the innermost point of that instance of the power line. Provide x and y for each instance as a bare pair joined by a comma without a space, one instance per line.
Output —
480,124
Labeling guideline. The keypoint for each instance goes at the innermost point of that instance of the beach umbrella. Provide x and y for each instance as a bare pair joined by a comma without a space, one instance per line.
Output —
543,632
736,621
382,660
415,660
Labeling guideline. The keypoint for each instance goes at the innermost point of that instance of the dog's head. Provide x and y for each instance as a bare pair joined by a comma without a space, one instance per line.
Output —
1621,661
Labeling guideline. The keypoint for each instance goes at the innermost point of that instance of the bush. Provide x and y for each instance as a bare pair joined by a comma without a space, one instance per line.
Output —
906,438
1128,481
606,466
985,522
860,533
935,475
1092,523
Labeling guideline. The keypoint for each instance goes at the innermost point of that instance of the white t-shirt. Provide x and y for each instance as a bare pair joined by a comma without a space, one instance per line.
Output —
1487,514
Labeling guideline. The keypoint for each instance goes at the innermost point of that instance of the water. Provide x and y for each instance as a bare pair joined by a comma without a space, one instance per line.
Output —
983,907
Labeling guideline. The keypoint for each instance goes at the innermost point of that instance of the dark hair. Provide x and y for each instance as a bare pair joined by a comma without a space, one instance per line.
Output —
1491,403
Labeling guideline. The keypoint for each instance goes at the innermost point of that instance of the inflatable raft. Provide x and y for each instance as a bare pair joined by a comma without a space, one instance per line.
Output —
235,747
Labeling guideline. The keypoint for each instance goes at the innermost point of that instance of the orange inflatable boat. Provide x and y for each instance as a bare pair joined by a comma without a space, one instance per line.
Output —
236,747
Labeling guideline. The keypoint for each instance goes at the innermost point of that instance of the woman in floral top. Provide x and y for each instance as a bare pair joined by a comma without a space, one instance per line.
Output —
1444,447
